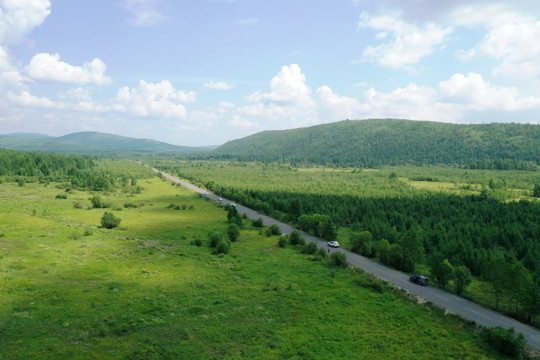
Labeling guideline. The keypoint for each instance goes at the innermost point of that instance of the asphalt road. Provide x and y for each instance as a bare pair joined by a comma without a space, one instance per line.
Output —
451,302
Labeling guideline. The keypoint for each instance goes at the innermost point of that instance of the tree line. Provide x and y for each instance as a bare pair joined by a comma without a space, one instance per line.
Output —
45,165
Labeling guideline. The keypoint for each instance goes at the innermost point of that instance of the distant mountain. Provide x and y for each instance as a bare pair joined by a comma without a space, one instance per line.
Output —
29,136
90,143
376,142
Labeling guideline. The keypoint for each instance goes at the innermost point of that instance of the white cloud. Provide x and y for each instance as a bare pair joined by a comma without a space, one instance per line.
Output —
512,37
220,85
26,99
144,12
243,123
288,104
287,87
514,42
48,67
411,102
19,17
154,99
5,63
337,107
477,94
406,43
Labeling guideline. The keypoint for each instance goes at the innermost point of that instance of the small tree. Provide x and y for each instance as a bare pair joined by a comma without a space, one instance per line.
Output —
213,239
222,247
273,230
536,190
258,223
506,341
462,278
109,221
361,243
338,259
98,203
282,242
296,238
233,216
328,230
233,232
310,248
442,273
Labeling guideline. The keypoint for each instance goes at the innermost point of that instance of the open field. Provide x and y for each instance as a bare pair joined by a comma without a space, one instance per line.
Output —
70,289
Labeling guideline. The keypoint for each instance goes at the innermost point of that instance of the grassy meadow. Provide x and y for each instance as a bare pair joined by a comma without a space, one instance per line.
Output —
70,289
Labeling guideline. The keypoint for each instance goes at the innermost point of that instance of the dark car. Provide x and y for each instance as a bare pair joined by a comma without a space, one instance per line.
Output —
419,279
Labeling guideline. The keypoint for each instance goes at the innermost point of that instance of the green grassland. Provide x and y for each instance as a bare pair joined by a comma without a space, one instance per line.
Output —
70,289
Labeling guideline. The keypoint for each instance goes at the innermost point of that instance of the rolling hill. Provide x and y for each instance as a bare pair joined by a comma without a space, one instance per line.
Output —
89,143
376,142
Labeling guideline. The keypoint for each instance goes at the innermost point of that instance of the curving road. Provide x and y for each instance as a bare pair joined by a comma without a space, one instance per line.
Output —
451,302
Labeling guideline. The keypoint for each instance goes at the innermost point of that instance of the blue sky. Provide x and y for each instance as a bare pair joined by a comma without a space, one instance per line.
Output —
203,72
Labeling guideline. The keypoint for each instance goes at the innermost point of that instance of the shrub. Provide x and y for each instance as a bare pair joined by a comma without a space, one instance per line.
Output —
98,203
110,221
130,205
213,239
310,248
222,247
273,230
233,232
258,223
505,341
370,282
321,253
338,259
61,196
197,242
282,242
296,238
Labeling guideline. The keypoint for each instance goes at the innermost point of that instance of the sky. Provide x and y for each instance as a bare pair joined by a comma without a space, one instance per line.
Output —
204,72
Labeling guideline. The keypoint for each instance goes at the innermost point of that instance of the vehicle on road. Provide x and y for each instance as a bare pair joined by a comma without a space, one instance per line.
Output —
205,193
419,279
220,199
334,244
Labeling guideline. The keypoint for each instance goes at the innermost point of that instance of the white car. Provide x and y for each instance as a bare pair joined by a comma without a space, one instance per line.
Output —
334,244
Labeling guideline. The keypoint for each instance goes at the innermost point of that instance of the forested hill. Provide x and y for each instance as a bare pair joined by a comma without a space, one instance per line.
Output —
88,143
376,142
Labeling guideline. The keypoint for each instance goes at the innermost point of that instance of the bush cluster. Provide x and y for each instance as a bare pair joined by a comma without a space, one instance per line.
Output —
505,341
109,221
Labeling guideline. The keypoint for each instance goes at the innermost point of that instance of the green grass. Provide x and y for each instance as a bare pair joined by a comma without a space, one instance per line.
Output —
70,289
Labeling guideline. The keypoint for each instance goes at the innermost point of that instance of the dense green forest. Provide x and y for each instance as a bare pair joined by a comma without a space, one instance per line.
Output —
477,227
84,172
372,143
41,164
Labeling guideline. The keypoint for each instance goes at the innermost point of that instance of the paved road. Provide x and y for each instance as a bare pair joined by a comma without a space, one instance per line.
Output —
451,302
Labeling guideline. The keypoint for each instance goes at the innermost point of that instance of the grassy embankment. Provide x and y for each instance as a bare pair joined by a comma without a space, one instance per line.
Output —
70,289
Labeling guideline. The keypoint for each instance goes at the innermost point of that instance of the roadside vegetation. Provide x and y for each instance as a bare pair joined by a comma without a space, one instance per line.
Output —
474,231
154,287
